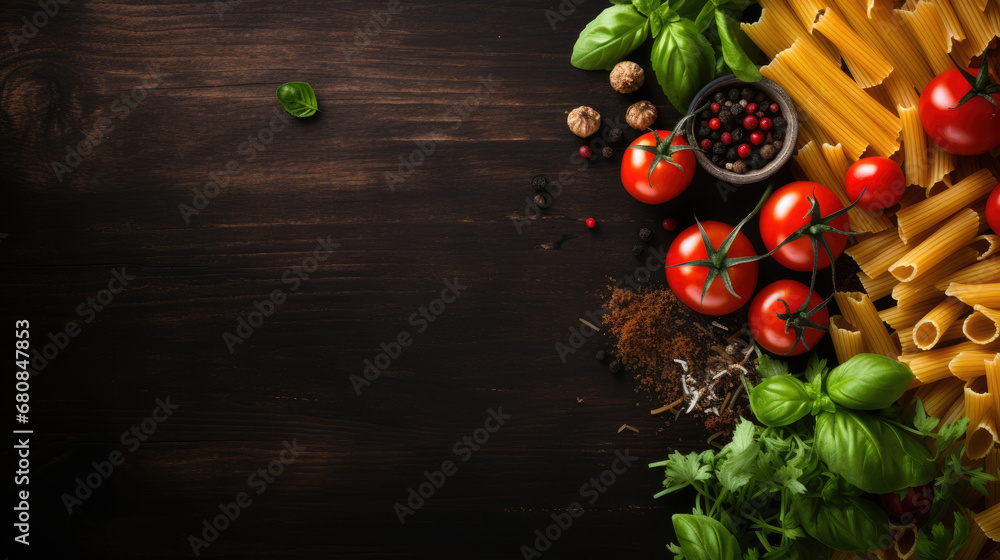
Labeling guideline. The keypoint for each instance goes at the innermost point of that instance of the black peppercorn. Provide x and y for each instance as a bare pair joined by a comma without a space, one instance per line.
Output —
607,151
615,135
615,366
731,154
719,149
645,235
601,355
779,122
725,116
747,94
706,114
760,97
756,162
637,250
778,135
539,182
542,201
733,94
719,97
737,134
736,109
716,135
704,131
767,151
717,160
739,166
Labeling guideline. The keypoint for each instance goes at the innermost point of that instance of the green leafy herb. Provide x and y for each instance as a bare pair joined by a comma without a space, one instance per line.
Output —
736,58
942,544
298,98
608,39
843,523
780,401
704,538
868,382
683,61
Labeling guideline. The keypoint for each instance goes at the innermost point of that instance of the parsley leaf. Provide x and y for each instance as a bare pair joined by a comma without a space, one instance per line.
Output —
769,367
942,544
683,470
923,423
816,368
788,477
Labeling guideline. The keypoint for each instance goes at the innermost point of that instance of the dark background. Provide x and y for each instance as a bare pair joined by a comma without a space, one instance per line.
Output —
325,176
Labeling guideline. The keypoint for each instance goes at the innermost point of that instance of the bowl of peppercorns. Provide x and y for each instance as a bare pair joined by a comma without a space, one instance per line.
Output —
746,130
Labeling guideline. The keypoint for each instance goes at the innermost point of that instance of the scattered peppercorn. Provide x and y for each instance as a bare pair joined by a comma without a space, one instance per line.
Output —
601,355
756,137
645,235
706,144
736,110
777,144
727,138
778,135
717,159
766,123
744,103
586,152
539,182
591,223
542,201
756,162
715,107
726,117
714,124
719,149
731,155
615,366
738,134
740,128
607,151
669,224
779,122
615,135
719,97
747,93
733,94
760,97
751,108
750,122
739,166
637,250
743,150
767,151
775,108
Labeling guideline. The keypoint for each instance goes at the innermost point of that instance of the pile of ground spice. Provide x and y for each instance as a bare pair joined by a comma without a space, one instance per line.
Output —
691,363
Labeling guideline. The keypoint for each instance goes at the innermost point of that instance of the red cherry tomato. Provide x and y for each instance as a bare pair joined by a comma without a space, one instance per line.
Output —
969,129
667,181
993,209
788,210
771,332
881,180
687,282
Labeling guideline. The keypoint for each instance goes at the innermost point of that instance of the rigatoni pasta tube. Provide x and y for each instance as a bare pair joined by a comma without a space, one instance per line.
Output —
979,410
878,287
939,397
992,465
866,63
957,231
876,254
902,317
987,245
859,310
970,365
926,287
987,295
928,330
922,216
914,146
993,382
983,325
974,543
989,522
848,340
932,365
982,272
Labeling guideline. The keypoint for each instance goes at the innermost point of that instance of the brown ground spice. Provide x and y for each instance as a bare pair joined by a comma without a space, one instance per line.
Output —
651,328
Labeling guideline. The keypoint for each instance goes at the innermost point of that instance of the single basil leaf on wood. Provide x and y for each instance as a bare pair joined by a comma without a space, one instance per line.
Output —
844,523
298,98
609,38
870,453
780,401
704,538
683,61
736,59
868,382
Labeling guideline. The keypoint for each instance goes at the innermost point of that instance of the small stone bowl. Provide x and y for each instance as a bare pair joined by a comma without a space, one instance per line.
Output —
788,110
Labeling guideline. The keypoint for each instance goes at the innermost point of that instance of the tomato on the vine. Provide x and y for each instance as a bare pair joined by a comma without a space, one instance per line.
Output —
993,209
782,323
658,166
878,181
960,111
790,211
688,281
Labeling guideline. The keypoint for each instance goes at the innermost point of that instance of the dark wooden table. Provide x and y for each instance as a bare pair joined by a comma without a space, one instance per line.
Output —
116,113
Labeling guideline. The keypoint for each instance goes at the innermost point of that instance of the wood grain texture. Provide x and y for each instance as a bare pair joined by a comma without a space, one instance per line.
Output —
324,176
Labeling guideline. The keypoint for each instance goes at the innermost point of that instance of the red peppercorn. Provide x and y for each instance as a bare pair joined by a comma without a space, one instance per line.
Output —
750,122
715,107
714,124
751,108
743,150
756,137
591,223
706,144
669,224
775,108
766,124
727,138
586,152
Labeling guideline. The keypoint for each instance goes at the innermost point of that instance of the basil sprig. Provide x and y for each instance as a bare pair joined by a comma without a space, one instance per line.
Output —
298,98
693,42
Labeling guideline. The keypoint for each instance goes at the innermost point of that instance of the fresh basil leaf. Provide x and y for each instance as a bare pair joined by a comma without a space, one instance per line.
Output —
298,98
736,59
704,538
780,401
687,9
868,382
870,453
683,61
646,7
609,38
705,17
843,523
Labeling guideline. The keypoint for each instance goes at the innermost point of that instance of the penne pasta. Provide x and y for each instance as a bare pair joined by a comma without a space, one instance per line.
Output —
939,397
901,317
848,340
987,295
988,245
992,465
982,272
970,364
877,253
928,330
924,215
974,543
858,309
932,365
867,65
983,325
926,287
993,382
926,27
878,288
989,522
955,232
914,146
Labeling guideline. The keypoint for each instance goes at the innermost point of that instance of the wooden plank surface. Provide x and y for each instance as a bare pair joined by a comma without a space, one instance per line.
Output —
416,83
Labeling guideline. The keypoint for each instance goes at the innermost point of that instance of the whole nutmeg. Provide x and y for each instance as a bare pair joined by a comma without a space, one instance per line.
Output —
641,115
584,121
627,77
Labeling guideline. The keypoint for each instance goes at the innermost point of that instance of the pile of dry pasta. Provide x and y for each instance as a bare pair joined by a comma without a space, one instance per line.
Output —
934,256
